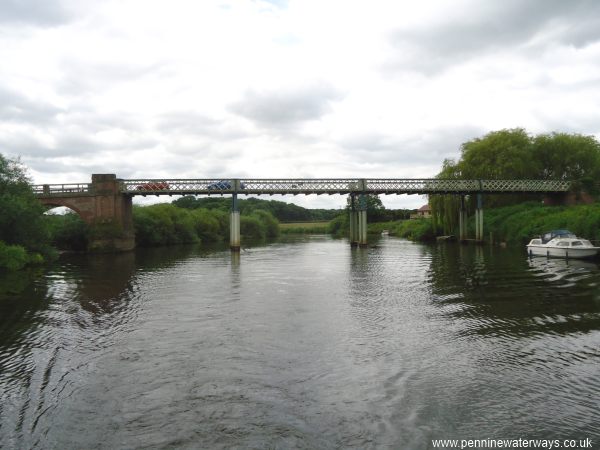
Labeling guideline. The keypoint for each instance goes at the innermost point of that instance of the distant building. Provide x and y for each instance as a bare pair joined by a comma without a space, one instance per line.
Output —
422,213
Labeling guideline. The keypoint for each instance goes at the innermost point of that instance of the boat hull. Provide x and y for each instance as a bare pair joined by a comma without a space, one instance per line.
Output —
556,252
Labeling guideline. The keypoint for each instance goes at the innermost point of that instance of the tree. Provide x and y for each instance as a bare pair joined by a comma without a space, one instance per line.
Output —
569,157
504,154
21,221
514,154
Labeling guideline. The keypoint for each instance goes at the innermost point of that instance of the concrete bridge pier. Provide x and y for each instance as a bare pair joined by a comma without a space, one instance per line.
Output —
234,225
353,222
479,219
362,221
462,220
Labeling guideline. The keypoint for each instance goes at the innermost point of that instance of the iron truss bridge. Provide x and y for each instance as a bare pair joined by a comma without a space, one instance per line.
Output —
311,186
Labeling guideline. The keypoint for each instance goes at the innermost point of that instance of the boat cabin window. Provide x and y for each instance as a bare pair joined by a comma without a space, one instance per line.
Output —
536,242
562,244
576,243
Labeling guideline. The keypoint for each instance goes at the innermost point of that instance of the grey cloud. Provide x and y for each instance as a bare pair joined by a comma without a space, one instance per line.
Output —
33,12
79,78
195,124
96,121
570,122
67,143
493,26
17,108
430,147
285,108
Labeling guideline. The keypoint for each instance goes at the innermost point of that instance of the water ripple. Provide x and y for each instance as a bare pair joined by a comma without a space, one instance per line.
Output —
300,345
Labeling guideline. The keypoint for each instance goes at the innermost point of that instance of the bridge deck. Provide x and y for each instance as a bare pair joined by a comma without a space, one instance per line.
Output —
310,186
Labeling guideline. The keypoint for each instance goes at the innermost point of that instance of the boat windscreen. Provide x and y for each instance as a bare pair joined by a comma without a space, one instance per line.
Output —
557,233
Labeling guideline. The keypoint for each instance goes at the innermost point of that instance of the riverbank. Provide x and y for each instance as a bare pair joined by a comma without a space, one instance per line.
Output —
513,225
517,224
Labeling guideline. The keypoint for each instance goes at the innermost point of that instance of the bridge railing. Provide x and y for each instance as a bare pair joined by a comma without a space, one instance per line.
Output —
421,186
59,189
259,186
337,186
525,185
144,186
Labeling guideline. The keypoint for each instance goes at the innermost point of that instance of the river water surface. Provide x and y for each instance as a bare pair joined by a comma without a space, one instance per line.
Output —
299,344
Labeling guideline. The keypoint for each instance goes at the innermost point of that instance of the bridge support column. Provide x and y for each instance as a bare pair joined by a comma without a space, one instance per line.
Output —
479,219
234,225
109,214
362,221
462,220
353,222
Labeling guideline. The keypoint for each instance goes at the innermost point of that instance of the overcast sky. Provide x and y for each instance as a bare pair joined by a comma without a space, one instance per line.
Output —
298,88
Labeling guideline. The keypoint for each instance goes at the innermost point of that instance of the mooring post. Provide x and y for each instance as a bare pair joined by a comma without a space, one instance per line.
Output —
234,222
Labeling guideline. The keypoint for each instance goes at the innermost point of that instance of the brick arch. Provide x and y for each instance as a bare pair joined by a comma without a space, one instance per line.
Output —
80,205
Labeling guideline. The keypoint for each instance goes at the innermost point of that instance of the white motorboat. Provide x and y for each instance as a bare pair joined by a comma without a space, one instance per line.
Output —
561,244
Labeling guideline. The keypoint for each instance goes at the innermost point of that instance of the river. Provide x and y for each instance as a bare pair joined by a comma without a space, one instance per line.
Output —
302,343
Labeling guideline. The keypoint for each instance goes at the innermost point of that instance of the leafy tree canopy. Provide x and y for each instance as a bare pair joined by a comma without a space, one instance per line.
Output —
21,221
515,154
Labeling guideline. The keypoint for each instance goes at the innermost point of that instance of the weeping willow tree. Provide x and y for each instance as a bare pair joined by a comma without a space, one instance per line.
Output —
515,154
444,208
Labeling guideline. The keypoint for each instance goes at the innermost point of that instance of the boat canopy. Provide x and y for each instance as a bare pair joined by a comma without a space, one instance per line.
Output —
547,237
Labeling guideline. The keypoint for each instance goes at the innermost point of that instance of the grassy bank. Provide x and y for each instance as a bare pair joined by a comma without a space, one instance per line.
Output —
320,227
517,224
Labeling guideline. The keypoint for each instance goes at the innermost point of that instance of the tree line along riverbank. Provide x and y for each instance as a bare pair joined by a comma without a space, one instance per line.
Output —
513,225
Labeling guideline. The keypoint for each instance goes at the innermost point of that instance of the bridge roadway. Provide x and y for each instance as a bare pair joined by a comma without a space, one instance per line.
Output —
252,186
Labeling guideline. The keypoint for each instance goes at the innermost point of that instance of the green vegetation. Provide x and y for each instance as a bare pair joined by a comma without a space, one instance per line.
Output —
513,154
377,214
304,228
165,224
67,231
23,233
413,229
283,212
517,224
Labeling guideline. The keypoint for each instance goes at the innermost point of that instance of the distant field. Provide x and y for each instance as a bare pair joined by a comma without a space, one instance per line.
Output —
304,227
304,224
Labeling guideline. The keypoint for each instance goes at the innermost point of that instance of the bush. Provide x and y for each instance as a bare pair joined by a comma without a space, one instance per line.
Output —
163,224
68,231
12,257
415,230
340,226
168,224
210,226
268,221
251,227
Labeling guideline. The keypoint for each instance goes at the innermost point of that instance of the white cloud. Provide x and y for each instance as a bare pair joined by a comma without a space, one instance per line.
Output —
297,88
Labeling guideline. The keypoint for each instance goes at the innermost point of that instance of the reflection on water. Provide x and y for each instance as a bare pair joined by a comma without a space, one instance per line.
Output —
299,344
